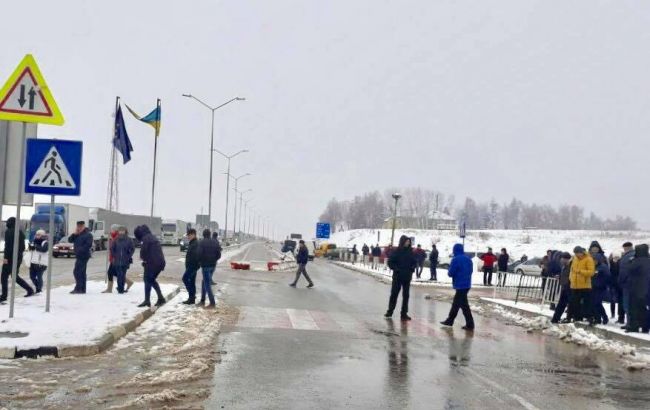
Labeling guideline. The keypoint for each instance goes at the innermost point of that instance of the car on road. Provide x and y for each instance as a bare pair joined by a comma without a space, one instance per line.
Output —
530,267
63,249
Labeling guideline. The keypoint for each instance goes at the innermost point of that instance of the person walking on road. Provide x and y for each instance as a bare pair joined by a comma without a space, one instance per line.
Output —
402,262
488,267
209,253
301,259
192,265
433,263
565,287
153,262
623,277
420,257
83,245
502,266
122,249
38,261
8,260
582,270
460,272
376,254
639,282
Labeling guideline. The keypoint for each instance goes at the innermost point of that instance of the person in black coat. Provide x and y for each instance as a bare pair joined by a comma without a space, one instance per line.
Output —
192,265
82,240
502,266
8,260
122,250
420,257
376,254
153,262
565,288
433,261
638,281
402,262
615,293
302,258
209,253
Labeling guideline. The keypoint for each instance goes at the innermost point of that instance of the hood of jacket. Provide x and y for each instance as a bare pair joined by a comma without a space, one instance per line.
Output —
11,223
597,245
459,249
402,240
141,231
641,251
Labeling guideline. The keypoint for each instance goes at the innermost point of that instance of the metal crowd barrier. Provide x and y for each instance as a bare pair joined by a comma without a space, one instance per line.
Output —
528,288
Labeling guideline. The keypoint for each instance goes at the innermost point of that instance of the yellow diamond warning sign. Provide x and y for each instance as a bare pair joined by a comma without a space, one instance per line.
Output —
26,96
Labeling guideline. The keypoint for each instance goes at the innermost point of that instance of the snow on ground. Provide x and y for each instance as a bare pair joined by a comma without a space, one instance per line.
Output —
518,242
633,357
443,277
73,320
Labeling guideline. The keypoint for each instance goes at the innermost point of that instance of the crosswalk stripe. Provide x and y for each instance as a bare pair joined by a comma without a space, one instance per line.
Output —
301,319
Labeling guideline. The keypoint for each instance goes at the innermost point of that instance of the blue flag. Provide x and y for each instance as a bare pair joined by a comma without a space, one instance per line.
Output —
121,139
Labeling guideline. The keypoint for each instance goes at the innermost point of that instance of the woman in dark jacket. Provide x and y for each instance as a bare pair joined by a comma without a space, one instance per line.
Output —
153,262
502,265
402,262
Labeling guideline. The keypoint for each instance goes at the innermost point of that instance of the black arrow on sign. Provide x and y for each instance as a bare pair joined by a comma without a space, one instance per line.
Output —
32,93
22,99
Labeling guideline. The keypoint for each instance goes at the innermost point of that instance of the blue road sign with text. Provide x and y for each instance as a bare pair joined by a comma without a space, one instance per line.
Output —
53,167
322,230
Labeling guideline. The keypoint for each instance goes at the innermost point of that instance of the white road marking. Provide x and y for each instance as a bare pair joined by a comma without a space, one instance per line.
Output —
301,319
524,403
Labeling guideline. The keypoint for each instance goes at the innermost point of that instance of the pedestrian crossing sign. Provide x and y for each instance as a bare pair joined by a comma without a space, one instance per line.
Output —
53,167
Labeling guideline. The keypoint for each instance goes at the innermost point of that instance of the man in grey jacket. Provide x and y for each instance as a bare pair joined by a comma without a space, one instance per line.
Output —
624,276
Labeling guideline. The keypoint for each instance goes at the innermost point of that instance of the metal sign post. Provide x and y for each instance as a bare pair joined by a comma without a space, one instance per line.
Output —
50,248
14,257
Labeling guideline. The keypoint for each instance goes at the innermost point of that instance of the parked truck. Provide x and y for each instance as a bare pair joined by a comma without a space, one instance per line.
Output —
98,221
173,231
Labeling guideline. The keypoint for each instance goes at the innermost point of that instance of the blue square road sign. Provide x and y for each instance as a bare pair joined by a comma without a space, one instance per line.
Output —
322,230
53,167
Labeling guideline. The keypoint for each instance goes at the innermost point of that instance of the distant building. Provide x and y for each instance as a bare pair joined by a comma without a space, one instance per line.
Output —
435,220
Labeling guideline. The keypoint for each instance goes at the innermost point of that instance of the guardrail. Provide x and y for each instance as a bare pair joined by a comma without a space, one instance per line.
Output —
529,288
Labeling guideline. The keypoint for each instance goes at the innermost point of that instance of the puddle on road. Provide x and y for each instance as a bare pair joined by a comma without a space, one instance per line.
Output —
13,335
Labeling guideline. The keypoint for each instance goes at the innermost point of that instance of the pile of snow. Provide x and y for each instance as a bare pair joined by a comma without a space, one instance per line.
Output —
633,359
518,242
73,320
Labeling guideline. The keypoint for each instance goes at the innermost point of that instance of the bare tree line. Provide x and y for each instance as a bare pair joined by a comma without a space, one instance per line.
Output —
371,209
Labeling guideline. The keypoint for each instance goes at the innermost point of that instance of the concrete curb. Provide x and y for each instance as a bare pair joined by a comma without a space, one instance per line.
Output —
596,330
101,344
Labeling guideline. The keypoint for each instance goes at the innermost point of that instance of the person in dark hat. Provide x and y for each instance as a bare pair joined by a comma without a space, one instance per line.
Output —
565,292
7,261
402,262
83,245
623,277
639,282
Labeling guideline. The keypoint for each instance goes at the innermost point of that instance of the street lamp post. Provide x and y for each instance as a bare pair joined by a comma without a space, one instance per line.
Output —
234,223
241,198
396,197
213,109
228,157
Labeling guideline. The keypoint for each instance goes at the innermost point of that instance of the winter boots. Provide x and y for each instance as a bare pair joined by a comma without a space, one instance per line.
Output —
109,287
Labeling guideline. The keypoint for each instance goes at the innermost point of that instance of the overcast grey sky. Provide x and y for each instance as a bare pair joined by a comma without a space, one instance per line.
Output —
544,100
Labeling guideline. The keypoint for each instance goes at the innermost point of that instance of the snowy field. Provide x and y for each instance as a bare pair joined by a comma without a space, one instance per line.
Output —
74,320
532,243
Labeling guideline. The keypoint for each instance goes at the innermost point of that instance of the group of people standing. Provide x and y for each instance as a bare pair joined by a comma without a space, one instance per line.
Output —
589,278
374,254
204,255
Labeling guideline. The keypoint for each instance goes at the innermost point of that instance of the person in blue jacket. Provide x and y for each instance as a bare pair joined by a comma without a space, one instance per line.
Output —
599,284
301,259
460,272
122,249
83,244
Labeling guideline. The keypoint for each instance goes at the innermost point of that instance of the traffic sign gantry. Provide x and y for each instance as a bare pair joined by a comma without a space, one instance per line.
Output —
53,167
26,96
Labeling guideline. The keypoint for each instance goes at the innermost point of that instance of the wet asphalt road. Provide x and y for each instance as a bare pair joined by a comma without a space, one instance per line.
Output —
329,347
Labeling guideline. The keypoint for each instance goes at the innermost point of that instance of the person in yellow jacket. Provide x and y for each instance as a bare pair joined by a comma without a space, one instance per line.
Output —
582,270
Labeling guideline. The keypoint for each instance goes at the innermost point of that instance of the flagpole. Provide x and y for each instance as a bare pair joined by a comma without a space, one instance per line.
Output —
112,176
155,151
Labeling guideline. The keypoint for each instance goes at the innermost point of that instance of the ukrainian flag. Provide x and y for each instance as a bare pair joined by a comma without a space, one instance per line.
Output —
153,118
